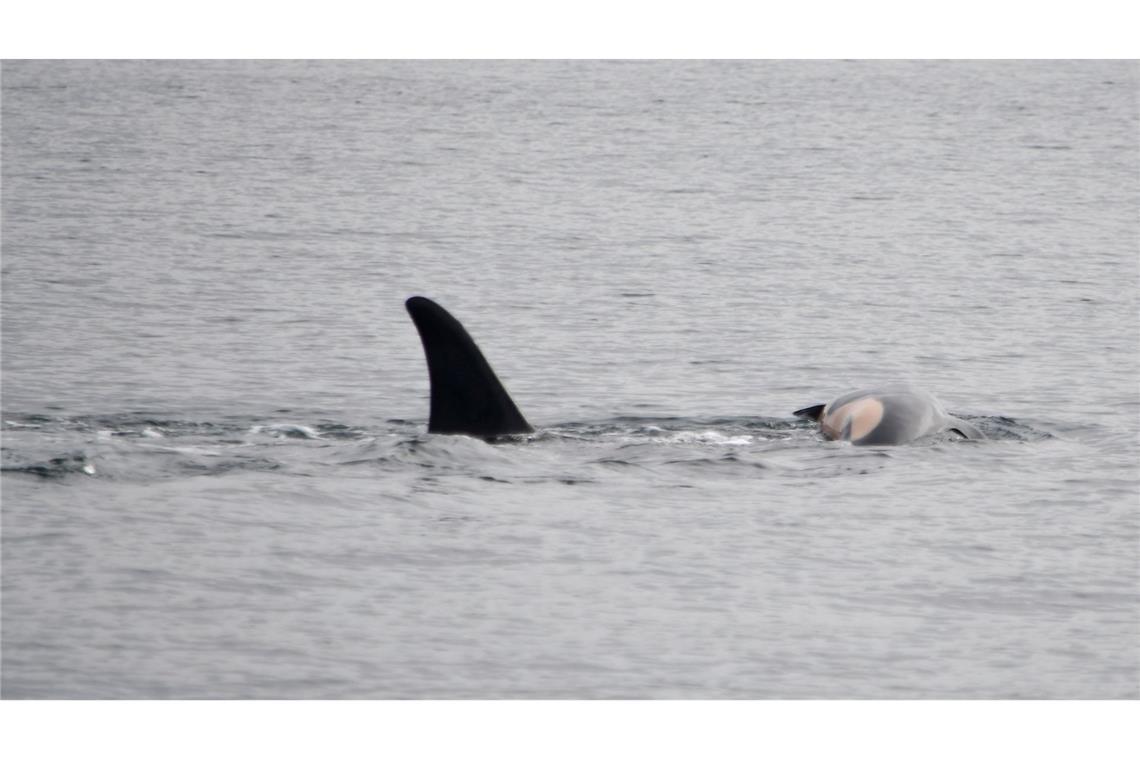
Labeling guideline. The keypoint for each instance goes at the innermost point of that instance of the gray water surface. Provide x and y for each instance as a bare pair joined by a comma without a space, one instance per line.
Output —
217,482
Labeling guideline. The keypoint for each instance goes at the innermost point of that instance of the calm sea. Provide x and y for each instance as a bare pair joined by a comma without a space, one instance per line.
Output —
217,482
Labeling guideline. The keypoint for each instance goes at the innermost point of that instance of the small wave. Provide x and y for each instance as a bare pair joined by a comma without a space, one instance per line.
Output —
1000,428
222,466
148,425
126,424
56,467
709,437
732,461
286,430
18,425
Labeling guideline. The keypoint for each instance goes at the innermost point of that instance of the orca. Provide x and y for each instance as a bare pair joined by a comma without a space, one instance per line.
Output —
884,417
467,397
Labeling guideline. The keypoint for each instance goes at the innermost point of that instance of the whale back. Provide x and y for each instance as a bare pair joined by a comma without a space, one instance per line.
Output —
884,417
466,396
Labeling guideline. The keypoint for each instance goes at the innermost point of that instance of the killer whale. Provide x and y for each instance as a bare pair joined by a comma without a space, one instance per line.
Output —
467,397
883,417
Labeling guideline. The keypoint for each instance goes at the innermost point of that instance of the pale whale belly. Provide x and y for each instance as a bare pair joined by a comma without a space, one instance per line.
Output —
888,416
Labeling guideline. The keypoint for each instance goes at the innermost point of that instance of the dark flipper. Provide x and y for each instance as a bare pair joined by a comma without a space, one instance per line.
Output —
810,412
466,397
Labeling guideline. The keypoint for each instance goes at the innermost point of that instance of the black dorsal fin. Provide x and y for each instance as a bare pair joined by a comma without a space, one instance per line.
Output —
466,397
810,412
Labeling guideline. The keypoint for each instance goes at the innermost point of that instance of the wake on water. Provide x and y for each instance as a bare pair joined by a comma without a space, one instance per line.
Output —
142,447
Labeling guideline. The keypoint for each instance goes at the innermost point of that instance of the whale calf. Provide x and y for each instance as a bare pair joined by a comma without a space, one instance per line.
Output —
882,417
467,397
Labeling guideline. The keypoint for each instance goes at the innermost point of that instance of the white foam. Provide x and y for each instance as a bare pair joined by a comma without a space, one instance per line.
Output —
710,437
286,430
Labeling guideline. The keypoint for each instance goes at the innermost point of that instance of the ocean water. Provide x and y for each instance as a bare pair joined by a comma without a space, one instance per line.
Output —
216,477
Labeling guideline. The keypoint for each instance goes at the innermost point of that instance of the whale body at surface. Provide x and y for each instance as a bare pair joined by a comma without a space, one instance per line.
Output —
883,417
